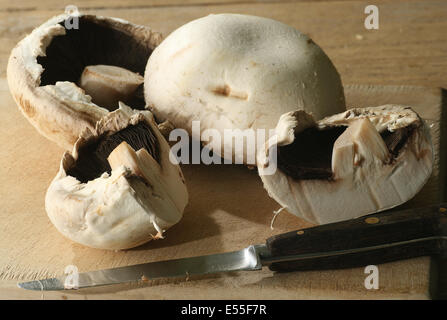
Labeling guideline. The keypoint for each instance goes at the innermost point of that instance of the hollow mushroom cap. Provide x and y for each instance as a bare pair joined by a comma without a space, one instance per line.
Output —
233,71
347,165
140,196
45,66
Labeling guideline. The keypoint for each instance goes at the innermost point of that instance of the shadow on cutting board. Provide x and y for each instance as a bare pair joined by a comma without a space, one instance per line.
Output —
222,199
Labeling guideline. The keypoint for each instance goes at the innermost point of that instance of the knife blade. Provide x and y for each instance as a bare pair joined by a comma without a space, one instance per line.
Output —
373,239
246,259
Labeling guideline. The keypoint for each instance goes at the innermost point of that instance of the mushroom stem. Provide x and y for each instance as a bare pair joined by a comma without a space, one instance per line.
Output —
107,85
360,142
124,155
140,163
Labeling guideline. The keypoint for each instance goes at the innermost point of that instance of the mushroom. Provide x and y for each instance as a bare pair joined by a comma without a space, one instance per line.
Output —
233,71
347,165
60,74
117,189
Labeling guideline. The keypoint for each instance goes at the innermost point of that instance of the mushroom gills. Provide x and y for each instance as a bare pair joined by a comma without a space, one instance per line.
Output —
396,140
93,43
309,156
92,157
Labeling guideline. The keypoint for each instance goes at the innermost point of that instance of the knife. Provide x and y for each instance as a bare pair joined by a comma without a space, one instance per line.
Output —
372,239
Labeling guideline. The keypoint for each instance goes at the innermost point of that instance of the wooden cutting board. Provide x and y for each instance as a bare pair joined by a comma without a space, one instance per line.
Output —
228,210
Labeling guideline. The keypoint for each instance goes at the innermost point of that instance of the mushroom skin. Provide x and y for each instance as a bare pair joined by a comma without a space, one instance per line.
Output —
233,71
143,194
45,66
379,158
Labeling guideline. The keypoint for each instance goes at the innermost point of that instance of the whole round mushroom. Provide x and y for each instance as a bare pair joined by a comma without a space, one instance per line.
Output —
65,77
347,165
117,189
233,71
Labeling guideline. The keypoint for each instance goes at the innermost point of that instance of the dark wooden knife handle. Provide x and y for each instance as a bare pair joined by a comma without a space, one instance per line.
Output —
395,235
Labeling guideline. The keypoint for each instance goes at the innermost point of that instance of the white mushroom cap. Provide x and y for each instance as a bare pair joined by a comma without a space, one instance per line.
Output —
45,66
143,195
372,166
233,71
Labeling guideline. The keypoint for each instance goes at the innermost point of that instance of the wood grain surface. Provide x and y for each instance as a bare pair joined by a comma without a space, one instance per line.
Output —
409,49
228,210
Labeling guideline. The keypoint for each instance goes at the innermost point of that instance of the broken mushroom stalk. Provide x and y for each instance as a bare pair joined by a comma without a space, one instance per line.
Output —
347,165
107,85
118,188
66,79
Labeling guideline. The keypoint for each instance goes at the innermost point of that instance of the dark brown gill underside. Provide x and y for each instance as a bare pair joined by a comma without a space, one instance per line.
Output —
310,154
92,157
397,139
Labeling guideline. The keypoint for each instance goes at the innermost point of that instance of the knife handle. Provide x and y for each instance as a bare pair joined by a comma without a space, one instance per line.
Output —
372,239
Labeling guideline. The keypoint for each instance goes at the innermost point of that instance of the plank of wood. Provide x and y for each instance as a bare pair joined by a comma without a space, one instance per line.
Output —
31,5
229,209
